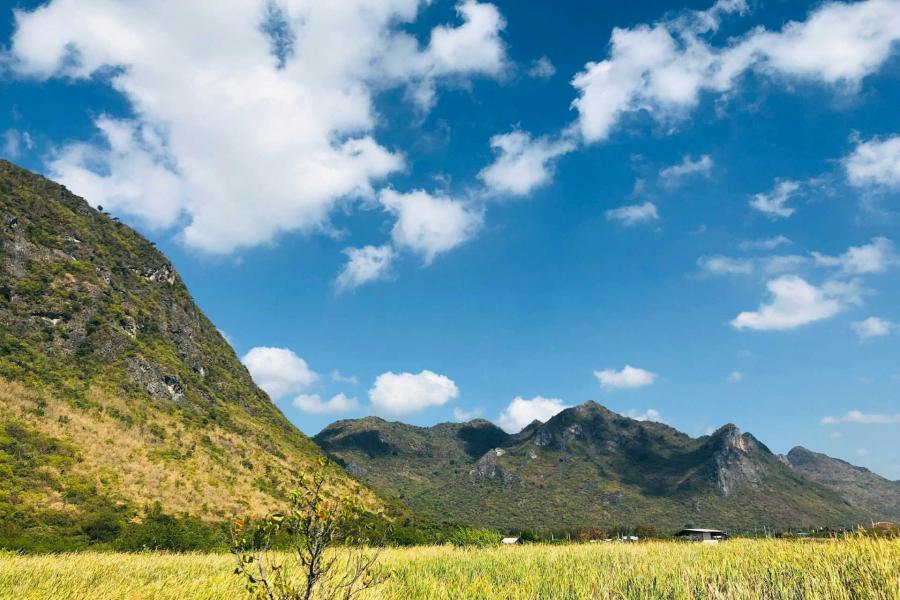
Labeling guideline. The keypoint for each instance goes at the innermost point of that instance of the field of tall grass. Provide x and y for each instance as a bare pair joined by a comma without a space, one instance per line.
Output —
856,568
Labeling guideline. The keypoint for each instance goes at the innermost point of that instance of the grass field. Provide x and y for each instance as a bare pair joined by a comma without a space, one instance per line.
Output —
859,568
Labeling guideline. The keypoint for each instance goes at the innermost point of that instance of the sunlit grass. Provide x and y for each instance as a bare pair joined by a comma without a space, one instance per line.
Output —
856,568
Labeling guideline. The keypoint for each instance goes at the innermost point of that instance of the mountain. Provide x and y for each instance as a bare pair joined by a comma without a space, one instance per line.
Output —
585,467
877,496
116,391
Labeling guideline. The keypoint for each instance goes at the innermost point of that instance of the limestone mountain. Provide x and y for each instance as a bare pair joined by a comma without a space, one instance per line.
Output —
877,496
115,390
585,467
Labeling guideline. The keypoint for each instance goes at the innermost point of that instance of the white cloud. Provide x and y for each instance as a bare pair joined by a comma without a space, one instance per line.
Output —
723,265
872,327
633,214
856,416
364,265
874,257
230,142
521,412
663,68
338,377
462,415
774,203
875,162
735,377
651,414
795,302
765,244
430,224
628,377
278,370
541,68
522,163
778,263
399,393
862,452
686,168
14,141
473,47
836,435
313,403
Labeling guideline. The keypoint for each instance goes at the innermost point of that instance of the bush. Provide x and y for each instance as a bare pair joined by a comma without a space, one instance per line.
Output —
159,531
470,536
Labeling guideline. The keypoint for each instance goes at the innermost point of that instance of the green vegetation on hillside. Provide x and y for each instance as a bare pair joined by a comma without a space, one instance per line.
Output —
121,402
585,468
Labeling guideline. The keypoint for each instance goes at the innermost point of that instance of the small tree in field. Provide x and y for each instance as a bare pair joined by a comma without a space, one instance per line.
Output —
324,559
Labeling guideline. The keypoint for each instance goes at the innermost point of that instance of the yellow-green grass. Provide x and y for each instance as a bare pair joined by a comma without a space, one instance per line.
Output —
856,568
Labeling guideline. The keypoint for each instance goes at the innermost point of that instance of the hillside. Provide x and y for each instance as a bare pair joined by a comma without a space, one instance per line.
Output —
585,467
877,496
116,392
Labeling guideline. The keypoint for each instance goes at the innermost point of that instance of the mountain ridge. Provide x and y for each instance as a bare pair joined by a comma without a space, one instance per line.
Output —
586,466
879,496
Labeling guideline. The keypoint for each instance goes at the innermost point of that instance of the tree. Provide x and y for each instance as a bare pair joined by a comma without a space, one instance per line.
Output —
327,559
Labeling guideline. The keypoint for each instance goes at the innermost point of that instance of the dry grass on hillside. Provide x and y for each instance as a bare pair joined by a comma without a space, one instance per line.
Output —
141,456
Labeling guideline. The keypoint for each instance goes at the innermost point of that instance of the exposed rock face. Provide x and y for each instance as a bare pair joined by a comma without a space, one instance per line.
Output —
158,384
734,463
876,495
488,467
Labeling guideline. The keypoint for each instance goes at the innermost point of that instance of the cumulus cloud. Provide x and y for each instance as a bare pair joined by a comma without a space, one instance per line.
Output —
651,414
662,69
137,179
522,163
278,370
856,416
364,265
774,204
462,415
687,167
872,327
243,131
874,257
428,224
541,68
400,393
735,377
875,162
795,302
313,403
633,214
520,412
628,377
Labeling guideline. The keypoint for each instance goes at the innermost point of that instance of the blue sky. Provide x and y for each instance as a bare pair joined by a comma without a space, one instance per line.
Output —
686,212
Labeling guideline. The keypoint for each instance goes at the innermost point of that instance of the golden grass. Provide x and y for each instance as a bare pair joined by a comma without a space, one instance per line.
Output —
858,568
